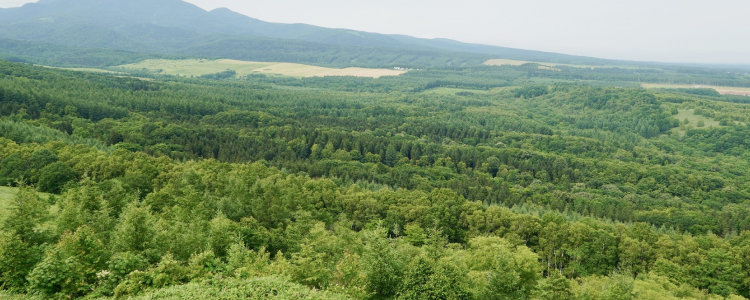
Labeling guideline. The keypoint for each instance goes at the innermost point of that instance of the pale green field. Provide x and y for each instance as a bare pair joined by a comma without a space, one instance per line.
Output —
693,119
724,90
198,67
545,65
92,70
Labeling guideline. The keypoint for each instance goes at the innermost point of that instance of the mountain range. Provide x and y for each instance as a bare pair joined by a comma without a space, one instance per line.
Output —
177,27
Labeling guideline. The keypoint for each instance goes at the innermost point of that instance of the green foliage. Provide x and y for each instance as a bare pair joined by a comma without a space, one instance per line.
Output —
70,268
383,265
531,91
371,188
221,75
260,288
38,160
55,176
26,211
135,232
718,273
502,271
428,280
17,259
21,243
615,287
555,287
118,268
699,91
415,235
166,273
12,170
10,296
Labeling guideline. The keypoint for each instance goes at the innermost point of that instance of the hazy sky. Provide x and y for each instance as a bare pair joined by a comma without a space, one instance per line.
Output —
650,30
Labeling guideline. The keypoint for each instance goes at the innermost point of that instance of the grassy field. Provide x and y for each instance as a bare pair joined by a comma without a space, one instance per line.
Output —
505,62
543,65
693,121
198,67
724,90
92,70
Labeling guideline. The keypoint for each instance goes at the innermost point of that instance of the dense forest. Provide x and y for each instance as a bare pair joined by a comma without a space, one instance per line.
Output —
512,182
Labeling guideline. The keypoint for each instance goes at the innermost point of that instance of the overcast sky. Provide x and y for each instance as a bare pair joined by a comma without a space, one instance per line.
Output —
648,30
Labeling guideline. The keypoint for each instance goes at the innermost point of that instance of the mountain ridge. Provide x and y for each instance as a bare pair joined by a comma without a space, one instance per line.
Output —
175,26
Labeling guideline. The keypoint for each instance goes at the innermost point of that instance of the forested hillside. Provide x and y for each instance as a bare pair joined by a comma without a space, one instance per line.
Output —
512,182
174,26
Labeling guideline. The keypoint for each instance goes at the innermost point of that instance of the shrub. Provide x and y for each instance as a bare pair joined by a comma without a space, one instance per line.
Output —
16,261
12,169
70,268
53,177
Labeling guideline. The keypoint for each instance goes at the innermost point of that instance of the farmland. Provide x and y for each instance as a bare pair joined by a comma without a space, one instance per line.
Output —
544,65
92,70
724,90
198,67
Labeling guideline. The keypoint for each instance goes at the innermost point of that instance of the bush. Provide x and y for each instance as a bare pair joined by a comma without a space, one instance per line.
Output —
252,289
383,265
16,261
54,177
428,280
70,268
12,169
38,160
168,272
118,268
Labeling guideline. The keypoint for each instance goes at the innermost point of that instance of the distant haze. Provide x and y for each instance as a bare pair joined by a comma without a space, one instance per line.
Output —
662,30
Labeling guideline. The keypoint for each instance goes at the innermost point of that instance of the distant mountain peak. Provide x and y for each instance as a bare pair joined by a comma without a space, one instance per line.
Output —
174,26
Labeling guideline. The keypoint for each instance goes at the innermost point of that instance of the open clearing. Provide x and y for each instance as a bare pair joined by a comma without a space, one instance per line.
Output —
510,62
544,65
198,67
724,90
693,121
92,70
